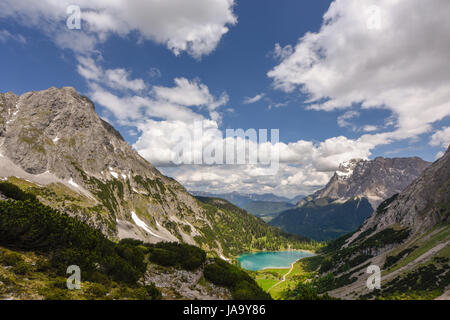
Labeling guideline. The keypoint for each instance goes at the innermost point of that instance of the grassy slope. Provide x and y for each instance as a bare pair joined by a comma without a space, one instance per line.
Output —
420,271
304,270
423,244
269,277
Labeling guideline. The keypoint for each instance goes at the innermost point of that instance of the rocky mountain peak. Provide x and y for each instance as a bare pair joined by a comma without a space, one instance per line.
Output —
421,205
376,179
346,169
55,137
57,130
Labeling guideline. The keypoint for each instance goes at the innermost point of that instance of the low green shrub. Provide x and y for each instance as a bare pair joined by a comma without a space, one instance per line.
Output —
30,225
12,191
391,260
153,293
172,254
305,291
21,268
241,285
10,258
97,290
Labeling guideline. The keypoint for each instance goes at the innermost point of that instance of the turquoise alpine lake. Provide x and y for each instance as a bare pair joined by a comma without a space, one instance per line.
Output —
271,259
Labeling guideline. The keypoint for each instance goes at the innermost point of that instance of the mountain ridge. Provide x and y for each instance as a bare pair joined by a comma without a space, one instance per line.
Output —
336,209
376,179
241,199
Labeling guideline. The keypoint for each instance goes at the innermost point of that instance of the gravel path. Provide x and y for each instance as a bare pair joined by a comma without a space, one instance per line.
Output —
284,277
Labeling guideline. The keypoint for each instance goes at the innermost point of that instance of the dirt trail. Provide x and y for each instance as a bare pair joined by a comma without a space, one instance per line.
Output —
284,277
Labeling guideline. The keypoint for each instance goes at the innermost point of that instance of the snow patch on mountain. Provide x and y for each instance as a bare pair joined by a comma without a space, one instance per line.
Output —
142,224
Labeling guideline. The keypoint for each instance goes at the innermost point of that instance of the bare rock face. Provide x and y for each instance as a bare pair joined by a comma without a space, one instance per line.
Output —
57,128
422,205
375,180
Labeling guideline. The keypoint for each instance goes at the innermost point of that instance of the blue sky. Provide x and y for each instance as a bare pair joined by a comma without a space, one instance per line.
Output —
361,102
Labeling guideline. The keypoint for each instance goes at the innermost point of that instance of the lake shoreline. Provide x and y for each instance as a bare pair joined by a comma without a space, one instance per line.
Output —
291,266
308,252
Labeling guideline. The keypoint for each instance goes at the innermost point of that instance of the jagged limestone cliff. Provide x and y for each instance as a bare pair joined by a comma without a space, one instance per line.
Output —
375,180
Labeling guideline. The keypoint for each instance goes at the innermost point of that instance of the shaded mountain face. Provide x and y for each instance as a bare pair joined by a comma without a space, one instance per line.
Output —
408,237
324,219
348,199
54,144
266,206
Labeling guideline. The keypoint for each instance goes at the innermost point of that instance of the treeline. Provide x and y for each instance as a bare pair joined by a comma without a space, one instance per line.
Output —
315,287
14,192
306,291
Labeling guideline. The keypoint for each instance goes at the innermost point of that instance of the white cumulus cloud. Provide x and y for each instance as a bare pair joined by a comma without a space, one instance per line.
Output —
441,138
399,63
194,26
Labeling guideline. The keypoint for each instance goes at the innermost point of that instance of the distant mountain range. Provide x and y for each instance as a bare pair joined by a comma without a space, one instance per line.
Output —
351,195
241,199
266,206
